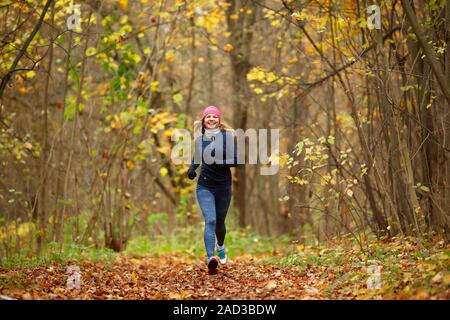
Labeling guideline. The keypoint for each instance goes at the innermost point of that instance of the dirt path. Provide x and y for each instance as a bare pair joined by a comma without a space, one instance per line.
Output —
164,277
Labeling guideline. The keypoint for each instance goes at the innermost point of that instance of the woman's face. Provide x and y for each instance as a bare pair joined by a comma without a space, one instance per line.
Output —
211,121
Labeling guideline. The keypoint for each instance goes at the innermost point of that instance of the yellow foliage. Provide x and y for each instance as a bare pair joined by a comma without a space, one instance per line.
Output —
130,165
163,150
170,56
169,132
31,74
228,47
256,74
12,230
154,85
212,21
283,159
91,51
275,23
123,4
163,172
124,19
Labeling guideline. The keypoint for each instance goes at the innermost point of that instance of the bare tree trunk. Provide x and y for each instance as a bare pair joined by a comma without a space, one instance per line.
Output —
241,40
75,121
210,84
43,209
193,66
446,203
59,199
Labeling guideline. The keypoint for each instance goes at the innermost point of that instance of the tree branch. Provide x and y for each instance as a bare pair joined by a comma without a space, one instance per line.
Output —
429,54
350,63
22,51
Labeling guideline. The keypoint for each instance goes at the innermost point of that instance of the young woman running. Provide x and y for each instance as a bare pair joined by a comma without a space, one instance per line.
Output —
212,148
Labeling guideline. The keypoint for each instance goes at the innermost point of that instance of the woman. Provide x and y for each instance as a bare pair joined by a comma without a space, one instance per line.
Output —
214,148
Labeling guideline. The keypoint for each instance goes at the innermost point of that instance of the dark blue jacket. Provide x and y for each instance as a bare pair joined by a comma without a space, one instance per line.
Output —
215,170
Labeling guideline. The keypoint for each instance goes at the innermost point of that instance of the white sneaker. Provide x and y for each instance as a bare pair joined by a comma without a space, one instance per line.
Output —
222,253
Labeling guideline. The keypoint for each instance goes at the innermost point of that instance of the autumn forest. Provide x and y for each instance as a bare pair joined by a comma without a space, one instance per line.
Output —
93,92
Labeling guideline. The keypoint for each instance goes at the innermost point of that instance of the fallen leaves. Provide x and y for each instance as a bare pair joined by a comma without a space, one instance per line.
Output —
335,272
159,277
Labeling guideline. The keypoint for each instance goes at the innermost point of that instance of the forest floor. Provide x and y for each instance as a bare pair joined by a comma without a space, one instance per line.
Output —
305,273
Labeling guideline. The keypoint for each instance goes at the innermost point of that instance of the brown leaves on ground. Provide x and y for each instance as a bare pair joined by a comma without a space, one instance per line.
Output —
160,277
176,277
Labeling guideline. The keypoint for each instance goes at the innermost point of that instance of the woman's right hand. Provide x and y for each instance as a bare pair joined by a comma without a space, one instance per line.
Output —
191,174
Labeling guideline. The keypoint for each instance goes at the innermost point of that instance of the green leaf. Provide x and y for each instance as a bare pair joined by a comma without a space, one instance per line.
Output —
91,51
177,98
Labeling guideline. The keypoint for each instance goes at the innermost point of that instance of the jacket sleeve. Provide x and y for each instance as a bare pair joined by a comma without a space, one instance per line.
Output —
197,159
193,166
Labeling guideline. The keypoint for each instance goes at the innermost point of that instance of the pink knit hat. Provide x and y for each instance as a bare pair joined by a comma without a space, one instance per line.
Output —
211,110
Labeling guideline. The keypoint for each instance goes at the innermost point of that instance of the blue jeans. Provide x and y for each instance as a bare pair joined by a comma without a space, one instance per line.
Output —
214,203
